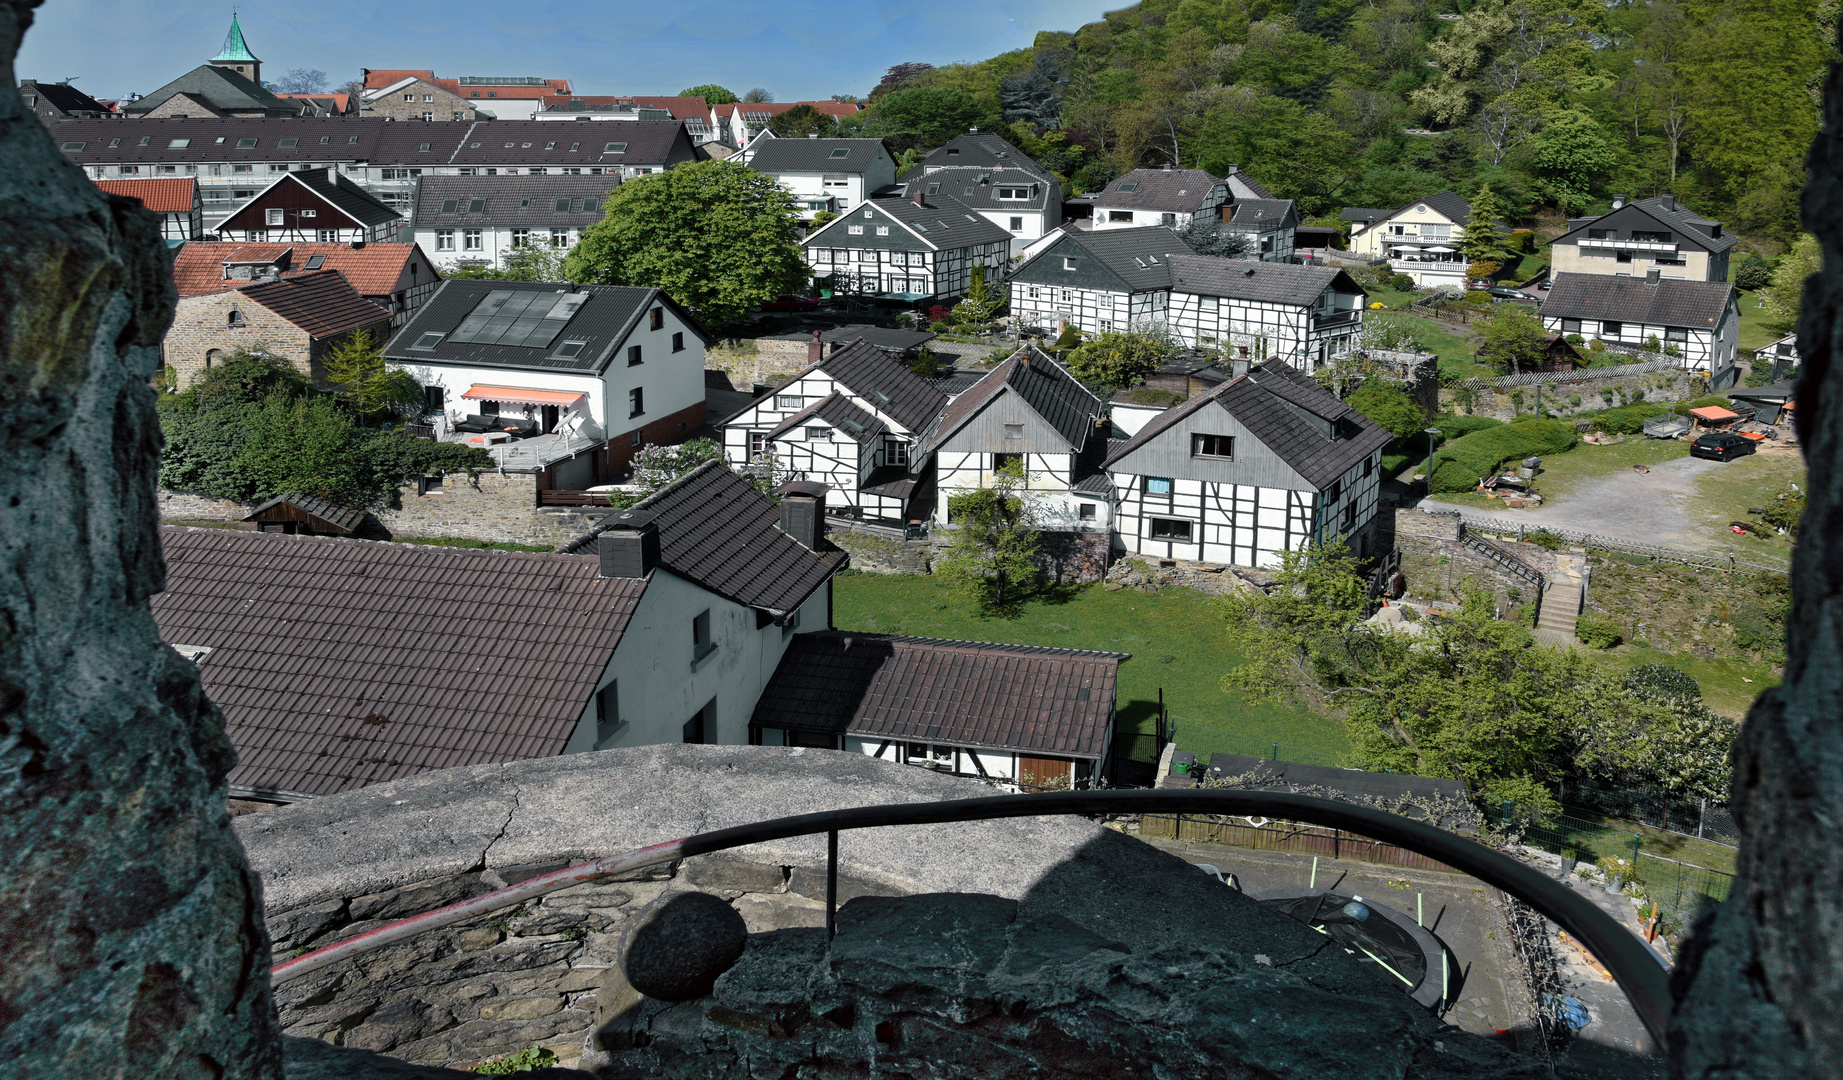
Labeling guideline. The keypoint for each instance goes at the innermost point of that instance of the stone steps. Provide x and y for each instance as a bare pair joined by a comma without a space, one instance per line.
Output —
1561,606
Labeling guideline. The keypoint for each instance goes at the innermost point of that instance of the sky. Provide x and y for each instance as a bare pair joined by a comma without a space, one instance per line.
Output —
796,49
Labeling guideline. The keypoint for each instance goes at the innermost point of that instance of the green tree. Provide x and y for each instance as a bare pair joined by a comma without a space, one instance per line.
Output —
1390,407
1513,338
717,237
1481,239
1753,273
993,554
757,95
527,262
356,371
801,121
931,115
711,93
1117,360
1572,155
1785,296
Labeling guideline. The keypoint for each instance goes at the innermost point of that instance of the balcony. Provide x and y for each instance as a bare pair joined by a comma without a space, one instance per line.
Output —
1629,245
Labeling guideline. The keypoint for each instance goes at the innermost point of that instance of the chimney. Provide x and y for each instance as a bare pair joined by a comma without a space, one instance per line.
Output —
1618,201
1239,365
1652,275
1669,201
1233,169
918,196
630,547
803,512
815,351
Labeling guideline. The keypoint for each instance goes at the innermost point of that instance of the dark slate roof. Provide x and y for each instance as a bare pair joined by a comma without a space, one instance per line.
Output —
942,223
322,303
1670,302
978,188
1780,391
1681,220
340,663
1256,189
61,97
836,410
221,87
984,151
875,376
1136,256
717,531
1448,204
339,190
815,155
1178,190
880,336
603,321
1020,698
343,518
1364,213
1050,391
1272,402
563,142
522,201
1262,213
1249,279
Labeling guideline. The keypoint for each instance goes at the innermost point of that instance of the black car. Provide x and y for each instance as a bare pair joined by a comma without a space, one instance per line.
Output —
1505,292
1721,446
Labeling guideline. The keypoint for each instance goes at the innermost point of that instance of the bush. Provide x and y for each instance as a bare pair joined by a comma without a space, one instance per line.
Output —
1543,539
1453,427
1628,419
1784,511
1663,683
1597,631
1460,464
1576,340
1390,407
1522,240
1596,345
1401,283
1753,273
938,328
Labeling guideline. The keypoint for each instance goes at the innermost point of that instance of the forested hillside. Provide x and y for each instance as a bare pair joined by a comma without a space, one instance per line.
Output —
1555,104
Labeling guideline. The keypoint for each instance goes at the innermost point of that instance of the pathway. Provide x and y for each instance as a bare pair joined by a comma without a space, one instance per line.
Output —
1643,508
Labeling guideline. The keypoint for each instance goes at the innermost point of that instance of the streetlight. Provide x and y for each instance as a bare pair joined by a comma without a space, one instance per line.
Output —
1432,433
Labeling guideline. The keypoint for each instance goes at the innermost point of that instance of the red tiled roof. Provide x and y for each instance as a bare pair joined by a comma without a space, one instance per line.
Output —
175,196
373,270
378,79
320,303
339,100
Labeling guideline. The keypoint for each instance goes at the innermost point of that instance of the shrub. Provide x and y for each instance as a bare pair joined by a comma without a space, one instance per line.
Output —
1651,343
1390,407
1629,419
1460,464
1597,631
1753,273
1574,400
1576,340
1401,283
1526,614
1663,683
530,1059
938,328
1544,539
1596,345
1522,240
1453,427
1784,511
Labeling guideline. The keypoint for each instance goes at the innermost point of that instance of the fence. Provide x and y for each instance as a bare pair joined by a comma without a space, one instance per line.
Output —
1679,890
1520,530
1543,378
1283,836
1658,809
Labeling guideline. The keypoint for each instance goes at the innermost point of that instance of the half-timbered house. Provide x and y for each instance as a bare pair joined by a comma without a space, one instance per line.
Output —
1302,314
317,205
1017,200
1170,197
1265,463
918,248
1096,281
1696,323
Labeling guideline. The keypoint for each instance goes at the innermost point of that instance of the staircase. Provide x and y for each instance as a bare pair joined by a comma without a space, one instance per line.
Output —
1561,604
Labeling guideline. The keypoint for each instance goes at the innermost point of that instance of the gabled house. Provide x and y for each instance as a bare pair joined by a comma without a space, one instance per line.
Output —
823,174
1636,236
600,370
1270,225
373,661
1266,462
1107,279
52,102
230,84
1778,357
1020,201
414,94
482,219
299,319
1029,412
1420,240
981,150
914,249
176,200
1038,718
1170,197
1302,314
395,277
1697,323
739,122
316,205
868,411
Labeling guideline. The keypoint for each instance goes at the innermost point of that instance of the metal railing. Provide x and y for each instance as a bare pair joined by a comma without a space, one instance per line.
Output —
1501,557
1635,968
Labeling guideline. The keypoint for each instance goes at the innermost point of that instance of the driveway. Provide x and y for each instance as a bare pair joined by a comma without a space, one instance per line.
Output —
1643,508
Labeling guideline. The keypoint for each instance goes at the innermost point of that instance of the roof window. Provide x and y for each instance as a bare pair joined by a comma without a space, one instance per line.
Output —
287,144
145,139
476,206
522,146
429,340
246,144
73,146
422,148
113,143
449,206
575,146
615,148
841,152
934,189
550,145
324,139
524,204
562,207
1068,263
1130,185
351,139
178,144
511,145
569,350
315,262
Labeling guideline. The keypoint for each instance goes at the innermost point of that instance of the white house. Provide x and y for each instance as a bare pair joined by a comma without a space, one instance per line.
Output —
1259,310
1636,236
1271,226
1697,323
1030,412
461,220
808,424
1113,279
1265,463
915,248
823,174
600,369
313,205
1419,240
1017,200
1170,197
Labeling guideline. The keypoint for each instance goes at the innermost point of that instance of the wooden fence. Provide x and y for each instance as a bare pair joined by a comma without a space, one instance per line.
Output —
1284,836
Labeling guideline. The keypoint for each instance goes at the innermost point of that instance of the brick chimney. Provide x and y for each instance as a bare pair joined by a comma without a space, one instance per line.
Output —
630,547
815,350
918,197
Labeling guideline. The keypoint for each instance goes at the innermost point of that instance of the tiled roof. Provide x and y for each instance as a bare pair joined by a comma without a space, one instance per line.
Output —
563,142
1235,178
1249,279
681,108
942,223
1050,391
1670,302
1261,213
986,151
177,195
978,187
373,270
339,190
321,303
1681,219
63,97
836,410
1137,256
524,201
1019,698
816,155
1446,203
776,108
340,663
343,518
877,377
716,530
1365,213
1270,402
600,323
1178,190
379,78
222,87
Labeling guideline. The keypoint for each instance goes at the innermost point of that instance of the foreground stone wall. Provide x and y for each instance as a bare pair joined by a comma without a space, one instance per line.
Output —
496,507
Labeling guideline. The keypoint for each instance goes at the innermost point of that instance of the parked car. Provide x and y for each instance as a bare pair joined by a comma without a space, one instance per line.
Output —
1505,292
1546,284
1479,284
789,302
1721,446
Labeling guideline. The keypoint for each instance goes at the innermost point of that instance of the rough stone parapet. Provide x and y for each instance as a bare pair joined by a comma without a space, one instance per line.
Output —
1566,398
1139,572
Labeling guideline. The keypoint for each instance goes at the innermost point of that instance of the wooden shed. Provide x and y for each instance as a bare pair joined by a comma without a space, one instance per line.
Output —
309,515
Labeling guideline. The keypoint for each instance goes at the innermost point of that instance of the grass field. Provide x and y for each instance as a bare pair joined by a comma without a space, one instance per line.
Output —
1724,494
1175,636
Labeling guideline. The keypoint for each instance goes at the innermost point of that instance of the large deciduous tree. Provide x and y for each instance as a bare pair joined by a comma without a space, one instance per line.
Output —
711,93
717,237
1513,338
1118,360
993,554
930,115
801,121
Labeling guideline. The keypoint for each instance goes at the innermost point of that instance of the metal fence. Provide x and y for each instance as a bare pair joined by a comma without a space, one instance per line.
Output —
1677,891
1659,809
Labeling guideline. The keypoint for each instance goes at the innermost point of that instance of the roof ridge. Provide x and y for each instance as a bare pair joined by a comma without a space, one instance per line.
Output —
983,646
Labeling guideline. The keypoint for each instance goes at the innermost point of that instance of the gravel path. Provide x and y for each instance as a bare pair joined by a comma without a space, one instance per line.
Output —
1644,508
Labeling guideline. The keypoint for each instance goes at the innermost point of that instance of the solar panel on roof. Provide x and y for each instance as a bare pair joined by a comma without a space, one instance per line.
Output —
530,320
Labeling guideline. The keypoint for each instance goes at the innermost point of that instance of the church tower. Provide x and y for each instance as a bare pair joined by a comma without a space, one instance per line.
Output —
236,56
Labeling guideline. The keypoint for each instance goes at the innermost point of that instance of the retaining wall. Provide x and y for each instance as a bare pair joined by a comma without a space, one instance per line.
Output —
1436,563
1508,402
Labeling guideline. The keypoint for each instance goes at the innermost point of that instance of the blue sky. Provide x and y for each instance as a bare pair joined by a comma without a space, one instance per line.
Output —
797,49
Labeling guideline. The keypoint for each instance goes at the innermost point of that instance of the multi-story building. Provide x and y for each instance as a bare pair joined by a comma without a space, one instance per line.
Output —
918,248
52,102
482,219
1099,281
319,206
1172,198
1696,323
414,94
1636,236
982,150
1420,240
1018,200
395,277
823,174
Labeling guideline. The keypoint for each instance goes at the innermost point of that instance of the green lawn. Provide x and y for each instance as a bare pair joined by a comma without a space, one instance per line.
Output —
1757,327
1725,493
1175,635
1564,474
1724,679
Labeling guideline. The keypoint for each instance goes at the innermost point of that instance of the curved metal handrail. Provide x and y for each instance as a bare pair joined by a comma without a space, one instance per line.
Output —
1636,969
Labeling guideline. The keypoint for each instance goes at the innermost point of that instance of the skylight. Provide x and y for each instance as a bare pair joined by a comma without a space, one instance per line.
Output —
176,144
1130,185
476,206
449,206
315,262
422,148
569,350
615,148
530,320
561,207
287,144
246,144
429,340
73,146
842,152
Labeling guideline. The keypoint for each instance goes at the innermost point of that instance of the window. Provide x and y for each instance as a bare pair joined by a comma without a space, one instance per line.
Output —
758,444
476,206
246,144
855,230
615,148
1014,193
789,401
790,622
176,144
1369,466
471,240
235,318
1017,224
1350,515
73,146
1571,326
212,356
883,230
1014,432
287,144
449,206
1216,446
1676,333
1171,529
678,342
656,319
607,712
274,217
315,262
1651,237
1001,462
591,205
559,238
1068,263
1335,491
428,97
421,148
819,434
1622,256
701,645
520,237
326,236
429,485
241,169
429,340
1168,220
444,239
570,350
1120,215
1085,510
633,356
1130,185
307,213
1599,234
636,404
1611,329
1156,485
409,97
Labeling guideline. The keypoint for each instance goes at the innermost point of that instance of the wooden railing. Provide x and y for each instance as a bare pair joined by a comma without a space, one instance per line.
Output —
573,498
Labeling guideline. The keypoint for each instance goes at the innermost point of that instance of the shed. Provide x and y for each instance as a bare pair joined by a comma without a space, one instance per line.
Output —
1713,416
308,515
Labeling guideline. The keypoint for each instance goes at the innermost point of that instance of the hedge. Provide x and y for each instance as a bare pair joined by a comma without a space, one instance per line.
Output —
1453,427
1460,464
1627,419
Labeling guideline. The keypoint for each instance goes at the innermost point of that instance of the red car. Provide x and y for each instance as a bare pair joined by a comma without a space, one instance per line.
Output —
788,302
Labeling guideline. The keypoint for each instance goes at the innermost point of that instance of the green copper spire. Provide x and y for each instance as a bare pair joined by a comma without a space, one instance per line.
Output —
234,48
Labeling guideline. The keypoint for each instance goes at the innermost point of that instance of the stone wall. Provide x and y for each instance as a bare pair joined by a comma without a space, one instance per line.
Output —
1436,563
874,553
496,507
1148,574
1558,399
202,326
178,506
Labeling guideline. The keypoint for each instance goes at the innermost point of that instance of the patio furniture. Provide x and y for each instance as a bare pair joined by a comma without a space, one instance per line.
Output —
516,426
476,424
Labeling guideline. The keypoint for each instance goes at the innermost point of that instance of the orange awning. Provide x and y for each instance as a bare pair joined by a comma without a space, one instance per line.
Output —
1714,413
519,395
